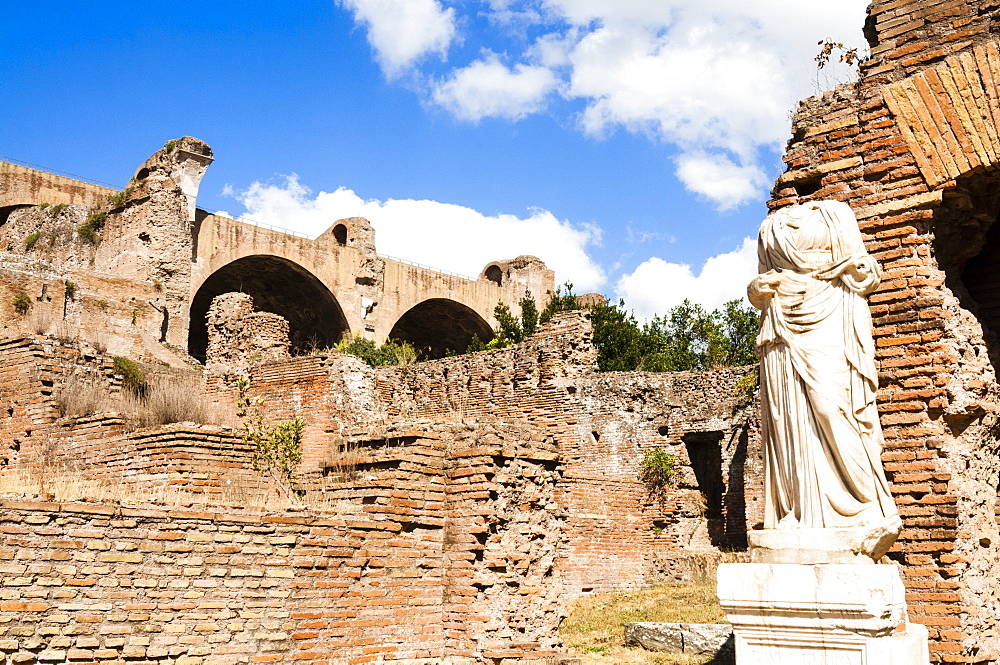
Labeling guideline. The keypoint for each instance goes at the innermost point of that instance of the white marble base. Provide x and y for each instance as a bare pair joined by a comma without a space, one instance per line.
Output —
855,545
827,614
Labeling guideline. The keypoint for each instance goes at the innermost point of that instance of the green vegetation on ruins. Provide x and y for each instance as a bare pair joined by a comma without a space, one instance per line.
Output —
657,469
276,449
90,230
391,352
22,303
688,338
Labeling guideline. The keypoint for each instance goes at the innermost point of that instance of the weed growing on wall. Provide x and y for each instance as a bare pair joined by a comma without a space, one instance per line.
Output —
132,377
277,449
90,230
657,469
31,240
747,386
22,304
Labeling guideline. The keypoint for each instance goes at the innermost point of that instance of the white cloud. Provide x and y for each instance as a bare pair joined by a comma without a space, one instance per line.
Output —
488,88
719,179
446,236
656,285
715,79
403,31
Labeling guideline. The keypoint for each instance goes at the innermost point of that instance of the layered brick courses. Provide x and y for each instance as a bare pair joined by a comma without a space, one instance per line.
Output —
441,551
602,424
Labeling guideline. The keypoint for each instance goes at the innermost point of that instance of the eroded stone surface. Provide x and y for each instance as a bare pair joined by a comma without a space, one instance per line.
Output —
699,639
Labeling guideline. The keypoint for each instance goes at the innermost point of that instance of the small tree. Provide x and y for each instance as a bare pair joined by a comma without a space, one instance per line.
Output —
277,449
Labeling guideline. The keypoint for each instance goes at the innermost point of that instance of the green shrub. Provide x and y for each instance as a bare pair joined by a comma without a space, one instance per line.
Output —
102,303
43,206
70,289
132,377
657,469
30,240
747,386
392,352
118,198
90,230
277,449
58,208
169,146
22,304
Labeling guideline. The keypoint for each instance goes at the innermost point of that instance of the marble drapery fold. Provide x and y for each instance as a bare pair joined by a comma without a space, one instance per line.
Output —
820,428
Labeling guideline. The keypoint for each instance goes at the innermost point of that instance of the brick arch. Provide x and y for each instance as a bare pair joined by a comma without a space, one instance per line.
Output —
277,285
439,325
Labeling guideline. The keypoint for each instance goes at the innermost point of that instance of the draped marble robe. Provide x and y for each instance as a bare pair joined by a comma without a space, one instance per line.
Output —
820,429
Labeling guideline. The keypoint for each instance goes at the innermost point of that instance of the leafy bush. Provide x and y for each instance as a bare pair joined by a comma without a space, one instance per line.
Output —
132,377
56,209
277,449
747,386
70,289
392,352
688,338
30,240
90,230
22,304
657,469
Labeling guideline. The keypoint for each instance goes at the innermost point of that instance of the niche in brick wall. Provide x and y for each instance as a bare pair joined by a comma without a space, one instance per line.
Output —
967,245
705,452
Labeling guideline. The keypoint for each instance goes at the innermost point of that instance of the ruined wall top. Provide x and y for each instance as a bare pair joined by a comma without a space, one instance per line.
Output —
907,35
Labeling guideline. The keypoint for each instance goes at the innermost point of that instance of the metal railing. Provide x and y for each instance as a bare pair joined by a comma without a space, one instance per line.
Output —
66,174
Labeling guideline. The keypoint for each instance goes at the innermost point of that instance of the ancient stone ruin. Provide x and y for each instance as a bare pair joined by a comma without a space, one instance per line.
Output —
447,511
457,505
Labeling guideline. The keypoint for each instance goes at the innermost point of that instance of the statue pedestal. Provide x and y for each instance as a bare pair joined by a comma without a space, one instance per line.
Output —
820,614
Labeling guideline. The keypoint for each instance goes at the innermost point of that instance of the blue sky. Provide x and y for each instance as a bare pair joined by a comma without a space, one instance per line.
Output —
628,143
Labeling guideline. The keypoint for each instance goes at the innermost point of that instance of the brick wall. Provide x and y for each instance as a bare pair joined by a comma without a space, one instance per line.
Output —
602,424
442,548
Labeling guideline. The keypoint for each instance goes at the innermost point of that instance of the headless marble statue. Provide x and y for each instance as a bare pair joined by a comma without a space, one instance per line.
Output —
820,428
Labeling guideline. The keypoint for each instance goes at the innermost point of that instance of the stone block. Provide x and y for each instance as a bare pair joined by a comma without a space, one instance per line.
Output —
701,639
829,614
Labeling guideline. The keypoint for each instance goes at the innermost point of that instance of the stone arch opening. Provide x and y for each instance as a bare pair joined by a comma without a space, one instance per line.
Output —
281,287
494,274
439,325
340,234
6,211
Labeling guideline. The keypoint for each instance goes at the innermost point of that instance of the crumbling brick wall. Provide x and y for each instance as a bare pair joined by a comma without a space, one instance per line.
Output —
239,337
439,551
603,423
912,147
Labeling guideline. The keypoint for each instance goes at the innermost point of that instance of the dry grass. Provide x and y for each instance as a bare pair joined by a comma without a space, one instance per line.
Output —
595,627
80,397
53,484
167,399
63,485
